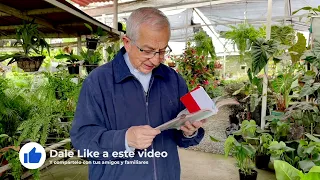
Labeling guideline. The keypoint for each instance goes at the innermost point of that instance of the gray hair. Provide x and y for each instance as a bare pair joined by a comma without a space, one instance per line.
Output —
148,15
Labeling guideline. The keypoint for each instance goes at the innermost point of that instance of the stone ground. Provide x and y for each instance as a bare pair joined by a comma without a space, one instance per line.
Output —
195,165
202,162
215,127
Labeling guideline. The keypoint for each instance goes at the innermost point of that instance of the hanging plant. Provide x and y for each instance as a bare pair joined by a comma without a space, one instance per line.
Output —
242,36
204,45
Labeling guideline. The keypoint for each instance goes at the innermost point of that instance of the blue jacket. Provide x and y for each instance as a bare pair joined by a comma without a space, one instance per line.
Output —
111,101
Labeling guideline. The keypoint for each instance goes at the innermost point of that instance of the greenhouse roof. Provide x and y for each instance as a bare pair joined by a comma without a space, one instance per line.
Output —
56,18
220,14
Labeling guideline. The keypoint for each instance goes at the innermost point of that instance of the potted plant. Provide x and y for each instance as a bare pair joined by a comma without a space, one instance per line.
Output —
244,154
72,58
91,59
95,36
31,42
262,154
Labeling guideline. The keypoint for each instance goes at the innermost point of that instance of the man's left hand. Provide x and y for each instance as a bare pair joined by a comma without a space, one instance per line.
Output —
189,129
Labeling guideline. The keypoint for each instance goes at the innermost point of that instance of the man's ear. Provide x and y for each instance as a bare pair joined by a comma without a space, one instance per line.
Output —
126,43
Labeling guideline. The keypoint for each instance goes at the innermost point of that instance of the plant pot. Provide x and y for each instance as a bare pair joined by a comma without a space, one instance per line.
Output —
252,176
92,43
89,68
262,161
277,113
73,68
31,64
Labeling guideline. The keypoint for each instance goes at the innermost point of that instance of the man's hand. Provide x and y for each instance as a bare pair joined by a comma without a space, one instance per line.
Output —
141,137
189,129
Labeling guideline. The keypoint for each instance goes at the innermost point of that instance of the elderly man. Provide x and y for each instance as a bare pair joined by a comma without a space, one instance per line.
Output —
122,101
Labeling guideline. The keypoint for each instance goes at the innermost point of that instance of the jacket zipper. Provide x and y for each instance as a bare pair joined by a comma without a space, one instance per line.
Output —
146,97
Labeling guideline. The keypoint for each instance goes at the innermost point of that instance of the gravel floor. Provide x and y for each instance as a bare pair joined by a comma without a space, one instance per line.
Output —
215,127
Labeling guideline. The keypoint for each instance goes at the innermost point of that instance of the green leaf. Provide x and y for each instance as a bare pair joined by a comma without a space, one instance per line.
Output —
284,171
299,48
89,27
315,169
309,149
261,51
308,89
306,165
3,135
312,138
214,139
311,176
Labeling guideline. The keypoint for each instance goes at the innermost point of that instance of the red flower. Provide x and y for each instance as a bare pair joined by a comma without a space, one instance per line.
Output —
206,82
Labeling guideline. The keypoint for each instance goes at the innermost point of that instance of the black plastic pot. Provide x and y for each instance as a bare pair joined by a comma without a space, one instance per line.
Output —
92,43
252,176
89,68
262,161
73,68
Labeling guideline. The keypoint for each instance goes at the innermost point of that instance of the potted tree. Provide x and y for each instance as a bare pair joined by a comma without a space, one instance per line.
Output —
244,154
31,42
95,36
91,59
73,67
262,154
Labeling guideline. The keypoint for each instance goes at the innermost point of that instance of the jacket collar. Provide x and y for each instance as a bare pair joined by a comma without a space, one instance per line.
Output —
121,70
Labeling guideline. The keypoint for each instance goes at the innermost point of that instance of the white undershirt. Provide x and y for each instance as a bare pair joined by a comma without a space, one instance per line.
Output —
143,78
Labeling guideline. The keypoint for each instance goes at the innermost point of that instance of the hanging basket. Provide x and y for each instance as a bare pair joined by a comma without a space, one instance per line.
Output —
30,64
92,43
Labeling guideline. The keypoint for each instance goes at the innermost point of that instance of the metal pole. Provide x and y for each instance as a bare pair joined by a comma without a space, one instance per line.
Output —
79,48
224,64
265,77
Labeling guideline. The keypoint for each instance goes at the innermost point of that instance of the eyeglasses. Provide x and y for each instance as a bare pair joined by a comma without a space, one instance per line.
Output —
150,53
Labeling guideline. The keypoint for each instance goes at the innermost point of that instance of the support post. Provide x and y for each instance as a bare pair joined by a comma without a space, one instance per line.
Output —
265,77
115,14
78,53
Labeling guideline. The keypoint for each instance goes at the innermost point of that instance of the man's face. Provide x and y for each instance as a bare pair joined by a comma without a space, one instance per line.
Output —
141,52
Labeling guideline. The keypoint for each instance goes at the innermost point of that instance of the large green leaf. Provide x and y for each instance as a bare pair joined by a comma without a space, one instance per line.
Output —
284,171
311,176
308,89
299,48
312,138
261,51
283,34
306,165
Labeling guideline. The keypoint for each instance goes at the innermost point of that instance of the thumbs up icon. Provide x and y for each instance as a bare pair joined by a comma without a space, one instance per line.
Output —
32,156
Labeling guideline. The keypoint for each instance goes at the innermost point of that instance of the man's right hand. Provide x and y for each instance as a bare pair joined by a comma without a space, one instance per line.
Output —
141,137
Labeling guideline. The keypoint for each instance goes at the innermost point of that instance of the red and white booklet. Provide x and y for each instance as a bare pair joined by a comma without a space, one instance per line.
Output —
199,106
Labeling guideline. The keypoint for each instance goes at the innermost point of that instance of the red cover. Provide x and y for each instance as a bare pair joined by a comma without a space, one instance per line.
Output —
189,102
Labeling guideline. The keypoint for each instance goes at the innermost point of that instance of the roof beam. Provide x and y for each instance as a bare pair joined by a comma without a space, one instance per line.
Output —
164,5
45,35
37,12
13,27
22,15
